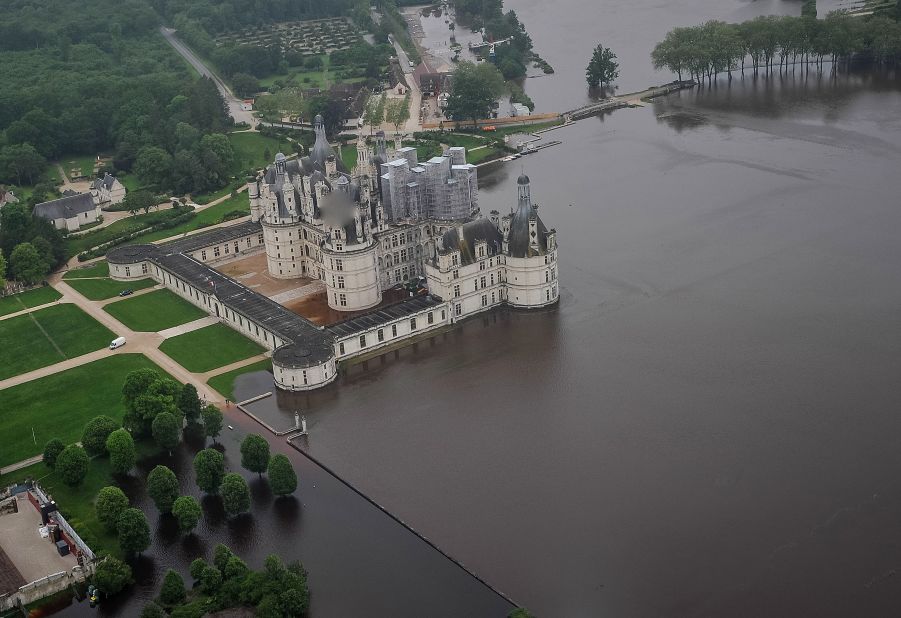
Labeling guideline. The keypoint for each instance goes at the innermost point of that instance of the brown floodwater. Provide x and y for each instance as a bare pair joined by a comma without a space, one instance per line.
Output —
707,424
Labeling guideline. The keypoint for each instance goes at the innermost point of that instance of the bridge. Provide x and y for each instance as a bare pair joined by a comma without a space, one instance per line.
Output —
625,100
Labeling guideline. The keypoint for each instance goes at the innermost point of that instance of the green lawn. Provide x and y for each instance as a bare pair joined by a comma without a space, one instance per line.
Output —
205,218
129,181
83,162
224,383
59,405
349,156
27,341
101,289
250,149
154,311
97,269
211,347
477,156
527,128
206,198
27,300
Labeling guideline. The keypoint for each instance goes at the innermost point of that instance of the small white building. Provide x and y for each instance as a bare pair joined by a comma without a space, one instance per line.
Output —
107,191
69,213
518,109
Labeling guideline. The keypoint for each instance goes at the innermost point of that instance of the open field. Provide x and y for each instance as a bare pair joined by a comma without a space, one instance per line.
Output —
101,289
224,383
211,347
48,336
155,311
58,406
84,163
27,300
250,149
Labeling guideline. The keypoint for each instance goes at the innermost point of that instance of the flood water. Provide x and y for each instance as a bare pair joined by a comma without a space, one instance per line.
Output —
707,425
359,560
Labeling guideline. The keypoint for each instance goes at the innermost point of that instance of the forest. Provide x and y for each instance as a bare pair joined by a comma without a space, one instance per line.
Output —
96,76
716,47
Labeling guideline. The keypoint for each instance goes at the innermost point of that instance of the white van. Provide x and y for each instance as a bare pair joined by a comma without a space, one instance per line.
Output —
118,342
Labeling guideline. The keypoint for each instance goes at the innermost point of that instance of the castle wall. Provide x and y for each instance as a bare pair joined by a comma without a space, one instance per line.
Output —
532,282
351,278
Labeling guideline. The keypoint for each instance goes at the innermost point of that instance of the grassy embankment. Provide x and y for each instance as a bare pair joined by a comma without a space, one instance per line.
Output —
224,383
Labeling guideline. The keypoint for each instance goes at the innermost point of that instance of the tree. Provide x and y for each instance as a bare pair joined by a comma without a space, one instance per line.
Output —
602,68
475,91
212,421
210,580
221,556
111,502
26,264
136,201
173,590
72,465
187,511
2,271
112,575
134,533
189,404
282,478
95,433
399,112
520,612
255,453
235,494
51,452
21,164
122,453
153,165
166,431
209,467
162,487
245,85
197,567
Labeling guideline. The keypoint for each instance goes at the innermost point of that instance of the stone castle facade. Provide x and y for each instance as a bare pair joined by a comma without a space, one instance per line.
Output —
389,220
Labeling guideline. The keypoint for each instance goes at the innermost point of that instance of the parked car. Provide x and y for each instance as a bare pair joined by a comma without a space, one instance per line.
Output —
126,292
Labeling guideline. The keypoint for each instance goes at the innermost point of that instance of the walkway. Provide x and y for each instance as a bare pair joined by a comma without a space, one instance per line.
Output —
625,100
181,329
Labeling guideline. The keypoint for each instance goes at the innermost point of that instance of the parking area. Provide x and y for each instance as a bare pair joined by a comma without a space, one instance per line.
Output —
32,555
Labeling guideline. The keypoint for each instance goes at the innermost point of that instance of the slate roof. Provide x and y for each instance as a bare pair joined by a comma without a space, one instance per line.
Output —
65,207
106,182
309,344
383,315
473,232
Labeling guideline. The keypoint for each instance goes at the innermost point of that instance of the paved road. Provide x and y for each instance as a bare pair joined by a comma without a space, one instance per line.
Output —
234,103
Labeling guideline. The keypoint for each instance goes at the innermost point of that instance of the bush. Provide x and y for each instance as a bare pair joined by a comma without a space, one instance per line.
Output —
121,448
173,590
282,478
134,533
112,575
51,451
111,502
235,494
209,467
95,433
255,453
210,580
187,511
153,610
162,487
197,567
72,465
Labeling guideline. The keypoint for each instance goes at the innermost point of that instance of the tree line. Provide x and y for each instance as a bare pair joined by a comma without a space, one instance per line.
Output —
716,47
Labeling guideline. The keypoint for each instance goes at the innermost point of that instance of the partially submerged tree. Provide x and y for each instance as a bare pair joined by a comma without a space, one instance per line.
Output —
110,503
602,68
255,453
209,467
122,453
162,487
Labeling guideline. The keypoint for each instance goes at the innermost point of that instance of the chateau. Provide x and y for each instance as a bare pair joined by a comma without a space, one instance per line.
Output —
361,232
